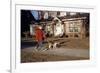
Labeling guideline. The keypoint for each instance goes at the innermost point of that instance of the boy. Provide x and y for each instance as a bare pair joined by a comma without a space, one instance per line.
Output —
39,37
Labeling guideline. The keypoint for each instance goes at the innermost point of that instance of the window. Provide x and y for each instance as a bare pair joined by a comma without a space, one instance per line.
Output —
74,26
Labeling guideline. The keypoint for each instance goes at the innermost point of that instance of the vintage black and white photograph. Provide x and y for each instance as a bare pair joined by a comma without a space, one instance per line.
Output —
54,36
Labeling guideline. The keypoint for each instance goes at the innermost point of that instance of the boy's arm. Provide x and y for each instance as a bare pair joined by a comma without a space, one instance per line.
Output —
36,36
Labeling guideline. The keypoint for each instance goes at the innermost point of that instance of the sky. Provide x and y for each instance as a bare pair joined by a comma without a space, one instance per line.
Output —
35,14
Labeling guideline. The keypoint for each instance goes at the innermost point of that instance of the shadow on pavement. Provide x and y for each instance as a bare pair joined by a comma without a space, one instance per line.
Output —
27,43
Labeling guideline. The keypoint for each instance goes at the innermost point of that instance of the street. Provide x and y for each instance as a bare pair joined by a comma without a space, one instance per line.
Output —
69,49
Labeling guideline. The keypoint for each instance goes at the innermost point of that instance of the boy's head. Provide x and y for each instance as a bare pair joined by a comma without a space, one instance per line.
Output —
40,27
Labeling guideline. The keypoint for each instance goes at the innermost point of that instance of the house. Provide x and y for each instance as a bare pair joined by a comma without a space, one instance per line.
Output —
58,27
75,27
71,27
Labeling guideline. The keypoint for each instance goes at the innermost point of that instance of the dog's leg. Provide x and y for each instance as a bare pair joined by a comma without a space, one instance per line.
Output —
54,45
50,45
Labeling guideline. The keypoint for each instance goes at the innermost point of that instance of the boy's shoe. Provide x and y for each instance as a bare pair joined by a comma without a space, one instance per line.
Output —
35,49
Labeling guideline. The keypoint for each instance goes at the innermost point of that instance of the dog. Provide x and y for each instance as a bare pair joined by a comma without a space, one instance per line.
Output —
52,45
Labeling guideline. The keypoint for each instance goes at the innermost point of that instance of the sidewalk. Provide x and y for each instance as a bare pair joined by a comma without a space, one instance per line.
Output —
69,52
62,52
